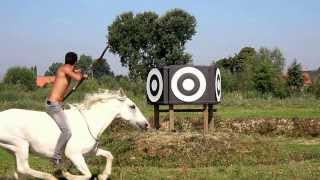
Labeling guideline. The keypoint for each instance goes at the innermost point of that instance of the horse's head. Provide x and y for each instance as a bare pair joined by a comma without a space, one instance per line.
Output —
129,111
118,104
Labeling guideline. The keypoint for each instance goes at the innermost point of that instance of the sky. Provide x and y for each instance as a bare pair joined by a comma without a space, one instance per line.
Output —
40,32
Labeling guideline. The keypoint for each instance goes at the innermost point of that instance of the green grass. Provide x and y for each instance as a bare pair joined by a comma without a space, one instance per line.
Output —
236,106
226,156
306,170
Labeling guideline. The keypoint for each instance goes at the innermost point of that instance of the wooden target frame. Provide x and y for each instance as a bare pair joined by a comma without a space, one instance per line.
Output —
207,112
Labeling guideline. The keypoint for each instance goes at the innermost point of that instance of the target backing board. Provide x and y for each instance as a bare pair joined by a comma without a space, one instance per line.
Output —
188,84
157,86
184,84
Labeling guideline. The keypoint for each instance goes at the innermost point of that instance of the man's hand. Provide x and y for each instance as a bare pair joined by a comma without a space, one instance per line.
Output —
84,76
77,70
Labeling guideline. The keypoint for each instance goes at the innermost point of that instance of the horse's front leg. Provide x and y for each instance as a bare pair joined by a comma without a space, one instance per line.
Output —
81,165
107,171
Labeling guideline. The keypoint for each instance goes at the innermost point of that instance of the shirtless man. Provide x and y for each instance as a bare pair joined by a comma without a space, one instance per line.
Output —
54,102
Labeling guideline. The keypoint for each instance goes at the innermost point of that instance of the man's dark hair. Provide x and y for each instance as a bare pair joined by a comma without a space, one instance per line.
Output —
71,58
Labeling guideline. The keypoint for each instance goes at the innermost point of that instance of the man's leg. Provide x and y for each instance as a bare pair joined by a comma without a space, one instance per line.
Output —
61,120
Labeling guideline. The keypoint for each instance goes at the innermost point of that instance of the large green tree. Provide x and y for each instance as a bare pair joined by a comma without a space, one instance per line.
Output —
145,40
295,79
52,69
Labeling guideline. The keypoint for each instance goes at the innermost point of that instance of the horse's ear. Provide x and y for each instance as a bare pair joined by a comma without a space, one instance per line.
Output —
121,92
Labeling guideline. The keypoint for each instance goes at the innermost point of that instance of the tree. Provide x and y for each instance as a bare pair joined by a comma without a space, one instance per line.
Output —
295,79
275,56
264,77
85,63
21,76
244,60
52,69
100,67
225,63
34,70
277,60
145,40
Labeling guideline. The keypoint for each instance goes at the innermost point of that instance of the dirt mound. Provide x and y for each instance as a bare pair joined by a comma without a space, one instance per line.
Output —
165,143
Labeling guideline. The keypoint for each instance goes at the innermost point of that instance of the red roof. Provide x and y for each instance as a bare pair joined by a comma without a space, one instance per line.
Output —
43,80
306,78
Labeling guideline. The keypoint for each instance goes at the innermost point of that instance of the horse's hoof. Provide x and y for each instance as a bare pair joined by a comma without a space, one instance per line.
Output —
59,174
94,177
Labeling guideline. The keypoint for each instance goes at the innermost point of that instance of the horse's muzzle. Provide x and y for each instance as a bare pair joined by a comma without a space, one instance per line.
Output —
144,125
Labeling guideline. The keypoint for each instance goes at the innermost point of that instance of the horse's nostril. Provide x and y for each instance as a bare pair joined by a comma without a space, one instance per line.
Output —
147,125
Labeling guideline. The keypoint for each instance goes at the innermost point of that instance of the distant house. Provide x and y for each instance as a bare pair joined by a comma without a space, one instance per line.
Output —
43,80
306,78
310,77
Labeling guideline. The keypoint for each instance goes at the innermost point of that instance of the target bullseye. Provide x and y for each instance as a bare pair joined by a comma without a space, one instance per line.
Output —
188,84
154,85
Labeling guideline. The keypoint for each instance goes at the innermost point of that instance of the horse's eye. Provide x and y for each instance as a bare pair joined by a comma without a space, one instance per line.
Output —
132,107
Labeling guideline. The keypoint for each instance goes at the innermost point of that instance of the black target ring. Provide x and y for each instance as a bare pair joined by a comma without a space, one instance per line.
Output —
154,78
154,85
195,81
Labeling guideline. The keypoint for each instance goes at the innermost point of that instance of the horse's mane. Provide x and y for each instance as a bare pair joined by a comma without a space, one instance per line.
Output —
93,98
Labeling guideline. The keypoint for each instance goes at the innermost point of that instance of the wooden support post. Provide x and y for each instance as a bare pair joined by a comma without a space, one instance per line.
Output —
156,122
171,117
211,119
205,118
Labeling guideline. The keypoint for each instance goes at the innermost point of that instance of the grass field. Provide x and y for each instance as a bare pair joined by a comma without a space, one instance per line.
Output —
186,154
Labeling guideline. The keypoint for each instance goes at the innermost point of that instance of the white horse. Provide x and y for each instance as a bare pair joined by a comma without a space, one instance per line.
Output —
21,129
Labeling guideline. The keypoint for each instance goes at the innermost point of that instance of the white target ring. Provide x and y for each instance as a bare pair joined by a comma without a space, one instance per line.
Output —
154,85
202,84
218,85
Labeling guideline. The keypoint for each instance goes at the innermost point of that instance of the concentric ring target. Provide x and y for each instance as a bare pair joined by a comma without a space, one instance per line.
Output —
154,85
218,85
185,76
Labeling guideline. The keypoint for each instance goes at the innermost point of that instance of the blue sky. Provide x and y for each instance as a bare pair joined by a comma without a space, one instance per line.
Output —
39,32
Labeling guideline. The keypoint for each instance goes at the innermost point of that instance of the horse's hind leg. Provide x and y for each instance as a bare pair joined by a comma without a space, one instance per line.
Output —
80,163
22,154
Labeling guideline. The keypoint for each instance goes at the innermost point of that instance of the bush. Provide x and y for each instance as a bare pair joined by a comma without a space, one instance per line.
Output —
280,88
21,76
316,88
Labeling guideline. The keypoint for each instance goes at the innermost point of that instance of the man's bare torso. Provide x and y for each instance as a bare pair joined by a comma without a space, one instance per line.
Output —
60,85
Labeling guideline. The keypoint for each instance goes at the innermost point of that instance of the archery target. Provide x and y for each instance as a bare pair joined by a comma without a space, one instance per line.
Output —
188,84
218,85
154,85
